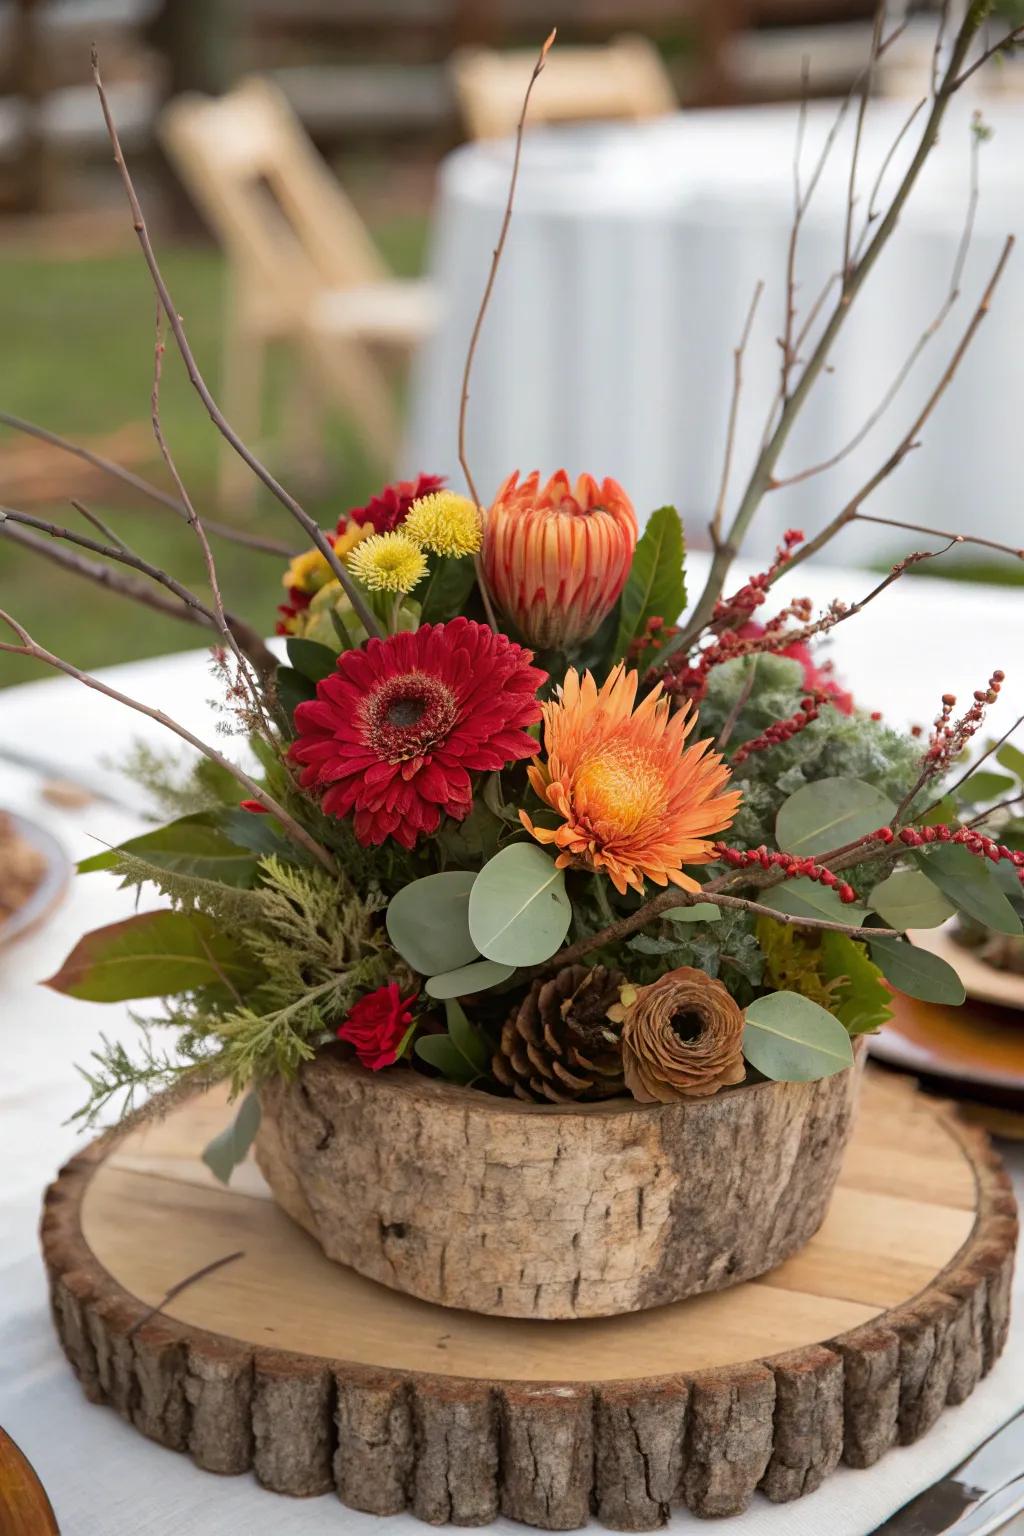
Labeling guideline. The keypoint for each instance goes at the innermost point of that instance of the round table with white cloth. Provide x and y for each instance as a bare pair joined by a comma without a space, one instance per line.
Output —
631,261
921,639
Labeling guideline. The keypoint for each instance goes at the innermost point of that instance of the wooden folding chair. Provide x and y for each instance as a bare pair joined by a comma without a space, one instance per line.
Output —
625,79
303,270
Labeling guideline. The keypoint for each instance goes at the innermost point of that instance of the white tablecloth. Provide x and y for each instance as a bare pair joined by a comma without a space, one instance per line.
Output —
632,258
103,1478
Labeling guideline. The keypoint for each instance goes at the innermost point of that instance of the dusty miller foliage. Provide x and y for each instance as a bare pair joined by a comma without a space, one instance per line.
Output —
315,943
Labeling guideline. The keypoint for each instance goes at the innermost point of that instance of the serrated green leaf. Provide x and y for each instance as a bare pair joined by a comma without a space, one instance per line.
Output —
1011,757
313,660
223,1154
805,898
446,588
652,944
829,814
192,845
519,911
428,922
908,899
863,1003
984,786
153,954
970,885
917,972
700,912
478,976
792,1040
655,587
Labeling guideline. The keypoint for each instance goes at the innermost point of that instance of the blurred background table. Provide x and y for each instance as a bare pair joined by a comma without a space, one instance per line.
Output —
630,266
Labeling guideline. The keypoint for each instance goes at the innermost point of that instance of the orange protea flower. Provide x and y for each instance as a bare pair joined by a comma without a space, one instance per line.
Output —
555,560
636,803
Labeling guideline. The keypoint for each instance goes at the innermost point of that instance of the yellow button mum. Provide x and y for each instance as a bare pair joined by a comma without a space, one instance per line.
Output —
388,562
309,571
446,524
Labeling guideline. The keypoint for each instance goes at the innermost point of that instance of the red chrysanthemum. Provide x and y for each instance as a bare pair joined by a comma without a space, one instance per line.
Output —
395,732
377,1025
385,511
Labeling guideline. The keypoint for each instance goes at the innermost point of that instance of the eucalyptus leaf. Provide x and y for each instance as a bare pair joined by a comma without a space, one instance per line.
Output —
313,660
971,886
153,954
806,898
655,587
792,1040
223,1154
1011,757
830,813
700,912
984,786
192,845
428,922
917,972
519,911
908,899
478,976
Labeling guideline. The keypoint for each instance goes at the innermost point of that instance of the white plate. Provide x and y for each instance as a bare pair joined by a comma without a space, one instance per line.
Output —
50,888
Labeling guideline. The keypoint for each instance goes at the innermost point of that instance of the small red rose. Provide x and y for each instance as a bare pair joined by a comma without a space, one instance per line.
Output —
377,1024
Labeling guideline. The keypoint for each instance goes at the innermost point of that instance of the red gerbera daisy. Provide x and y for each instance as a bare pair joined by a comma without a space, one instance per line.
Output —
393,735
390,507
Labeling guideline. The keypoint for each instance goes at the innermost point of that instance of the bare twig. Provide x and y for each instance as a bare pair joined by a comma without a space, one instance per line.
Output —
871,213
739,704
144,487
34,651
100,526
940,37
624,927
764,468
192,609
183,1285
485,301
715,526
1005,42
301,516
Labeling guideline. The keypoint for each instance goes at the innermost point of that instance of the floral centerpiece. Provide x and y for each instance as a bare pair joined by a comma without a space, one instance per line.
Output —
529,836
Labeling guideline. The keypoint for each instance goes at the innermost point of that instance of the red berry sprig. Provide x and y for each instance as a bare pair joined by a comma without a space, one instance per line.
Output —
784,730
965,837
790,864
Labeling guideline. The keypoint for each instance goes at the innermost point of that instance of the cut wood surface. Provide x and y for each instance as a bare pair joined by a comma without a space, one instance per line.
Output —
285,1363
550,1211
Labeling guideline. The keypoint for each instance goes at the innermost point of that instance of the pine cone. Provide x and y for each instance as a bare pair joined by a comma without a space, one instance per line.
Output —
559,1044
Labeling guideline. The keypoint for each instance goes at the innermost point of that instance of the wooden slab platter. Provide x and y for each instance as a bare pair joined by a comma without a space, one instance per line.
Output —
286,1364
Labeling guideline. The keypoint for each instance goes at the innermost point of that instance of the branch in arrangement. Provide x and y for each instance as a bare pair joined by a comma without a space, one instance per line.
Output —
31,649
625,927
1005,45
853,281
715,526
485,301
191,608
145,487
301,516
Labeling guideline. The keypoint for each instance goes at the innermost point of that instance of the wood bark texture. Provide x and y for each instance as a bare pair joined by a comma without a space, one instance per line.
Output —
521,1210
549,1454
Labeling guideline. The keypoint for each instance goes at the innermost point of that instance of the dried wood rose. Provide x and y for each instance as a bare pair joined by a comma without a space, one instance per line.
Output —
681,1037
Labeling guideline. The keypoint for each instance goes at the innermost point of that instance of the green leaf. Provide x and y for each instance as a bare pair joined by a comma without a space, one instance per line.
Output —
917,972
467,1040
700,912
1011,757
942,811
908,899
154,954
805,898
519,911
984,786
445,591
462,1055
971,886
863,1004
478,976
223,1154
313,660
192,845
792,1040
655,587
829,814
428,922
293,689
259,834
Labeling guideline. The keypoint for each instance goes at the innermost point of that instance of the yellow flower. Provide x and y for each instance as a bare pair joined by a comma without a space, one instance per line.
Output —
445,523
354,534
388,562
635,802
309,571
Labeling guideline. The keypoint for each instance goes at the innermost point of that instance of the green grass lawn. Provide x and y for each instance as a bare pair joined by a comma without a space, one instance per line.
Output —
76,356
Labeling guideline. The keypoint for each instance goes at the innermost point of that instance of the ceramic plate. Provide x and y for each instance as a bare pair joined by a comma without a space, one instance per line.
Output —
50,888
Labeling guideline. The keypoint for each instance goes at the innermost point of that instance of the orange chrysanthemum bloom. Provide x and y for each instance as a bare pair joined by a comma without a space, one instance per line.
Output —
636,802
556,557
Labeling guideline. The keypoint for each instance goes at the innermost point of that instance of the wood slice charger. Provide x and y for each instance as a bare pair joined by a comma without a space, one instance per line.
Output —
318,1379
